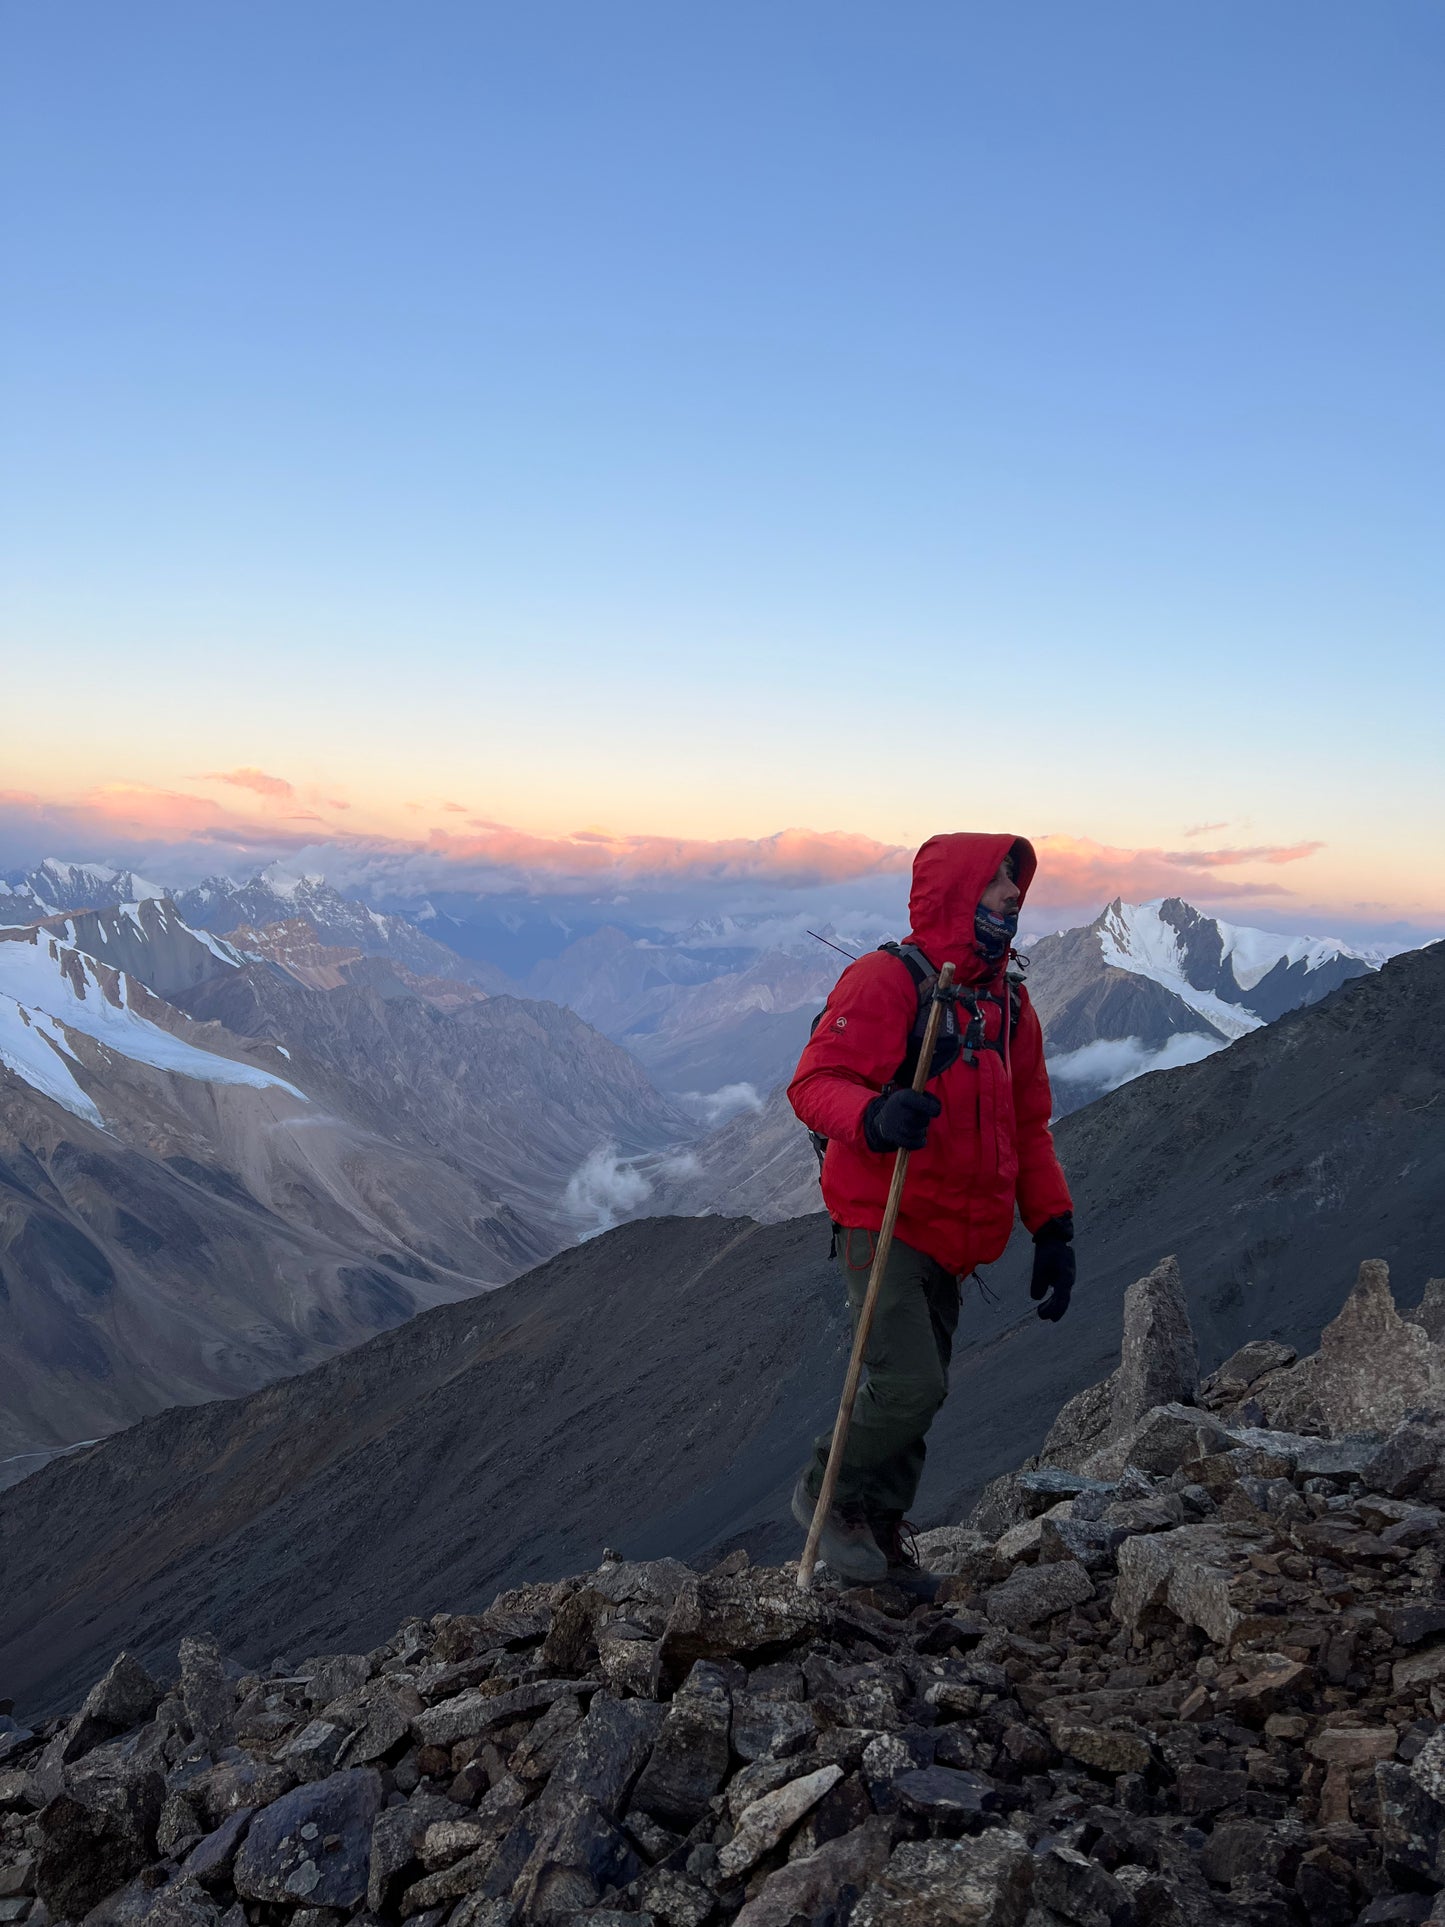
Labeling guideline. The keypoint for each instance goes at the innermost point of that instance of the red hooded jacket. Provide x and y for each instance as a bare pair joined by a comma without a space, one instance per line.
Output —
990,1146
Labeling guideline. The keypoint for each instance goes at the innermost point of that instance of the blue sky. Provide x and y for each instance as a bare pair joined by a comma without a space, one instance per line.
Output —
667,419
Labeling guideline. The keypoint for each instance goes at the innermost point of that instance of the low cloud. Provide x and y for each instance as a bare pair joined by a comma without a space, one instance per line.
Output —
604,1189
796,878
1111,1061
717,1107
253,779
1075,870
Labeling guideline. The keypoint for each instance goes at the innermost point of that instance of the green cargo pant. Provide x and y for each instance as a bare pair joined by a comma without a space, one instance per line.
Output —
906,1362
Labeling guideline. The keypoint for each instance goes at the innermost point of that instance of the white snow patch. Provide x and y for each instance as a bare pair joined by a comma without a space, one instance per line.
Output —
1111,1061
40,1002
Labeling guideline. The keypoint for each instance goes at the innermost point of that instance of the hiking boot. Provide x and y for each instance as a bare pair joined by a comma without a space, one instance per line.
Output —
846,1546
894,1537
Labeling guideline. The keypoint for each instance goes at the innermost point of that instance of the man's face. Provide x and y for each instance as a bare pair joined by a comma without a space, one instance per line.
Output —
1002,895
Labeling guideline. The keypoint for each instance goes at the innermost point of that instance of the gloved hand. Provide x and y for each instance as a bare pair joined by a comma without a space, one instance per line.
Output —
900,1121
1054,1267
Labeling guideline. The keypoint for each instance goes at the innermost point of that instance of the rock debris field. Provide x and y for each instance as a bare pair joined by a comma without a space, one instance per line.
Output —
1185,1668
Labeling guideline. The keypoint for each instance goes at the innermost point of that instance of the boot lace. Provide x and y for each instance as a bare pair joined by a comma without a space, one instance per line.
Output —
898,1541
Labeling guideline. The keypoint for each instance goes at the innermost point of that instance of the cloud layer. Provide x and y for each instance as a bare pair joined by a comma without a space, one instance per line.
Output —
254,816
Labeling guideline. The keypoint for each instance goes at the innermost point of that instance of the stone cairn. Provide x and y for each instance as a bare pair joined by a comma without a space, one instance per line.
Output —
1187,1669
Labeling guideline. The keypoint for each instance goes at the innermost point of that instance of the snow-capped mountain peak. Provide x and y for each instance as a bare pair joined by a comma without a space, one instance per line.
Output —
56,887
1222,970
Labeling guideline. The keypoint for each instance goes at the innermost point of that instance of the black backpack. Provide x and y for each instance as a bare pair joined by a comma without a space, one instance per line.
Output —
954,1040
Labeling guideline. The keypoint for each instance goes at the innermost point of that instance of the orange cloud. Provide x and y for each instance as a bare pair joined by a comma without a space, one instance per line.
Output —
253,779
1075,870
175,834
789,858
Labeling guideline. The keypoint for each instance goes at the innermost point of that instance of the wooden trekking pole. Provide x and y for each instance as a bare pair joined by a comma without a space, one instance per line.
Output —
870,1299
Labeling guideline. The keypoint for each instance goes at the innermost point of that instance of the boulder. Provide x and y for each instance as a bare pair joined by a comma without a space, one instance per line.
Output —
766,1821
1159,1441
1032,1594
1079,1890
823,1882
471,1716
312,1847
1409,1459
94,1836
982,1882
717,1617
396,1838
209,1862
1373,1367
122,1699
1253,1361
577,1856
1191,1572
1159,1361
689,1758
209,1698
1429,1314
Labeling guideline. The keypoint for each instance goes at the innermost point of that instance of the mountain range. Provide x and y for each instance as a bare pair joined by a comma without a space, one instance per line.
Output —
213,1170
655,1389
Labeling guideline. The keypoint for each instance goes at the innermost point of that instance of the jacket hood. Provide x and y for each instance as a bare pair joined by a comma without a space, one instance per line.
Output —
950,874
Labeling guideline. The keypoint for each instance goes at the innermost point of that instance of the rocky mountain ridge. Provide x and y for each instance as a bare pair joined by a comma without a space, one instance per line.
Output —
487,1442
1185,1669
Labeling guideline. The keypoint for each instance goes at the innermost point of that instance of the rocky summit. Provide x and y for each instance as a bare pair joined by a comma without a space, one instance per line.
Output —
1185,1668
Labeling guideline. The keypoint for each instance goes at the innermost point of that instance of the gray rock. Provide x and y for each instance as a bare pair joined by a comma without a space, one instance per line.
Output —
1372,1369
1080,1891
983,1882
579,1855
722,1617
776,1727
1190,1572
1092,1544
945,1794
1034,1593
313,1846
1160,1441
1081,1426
955,1550
182,1904
94,1836
209,1862
690,1757
470,1716
823,1883
540,1751
207,1695
122,1699
1047,1484
1410,1823
767,1820
333,1678
396,1838
1402,1464
313,1752
1429,1314
607,1751
240,1782
1159,1361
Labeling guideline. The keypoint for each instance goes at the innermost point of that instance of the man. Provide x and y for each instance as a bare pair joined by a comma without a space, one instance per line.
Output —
980,1144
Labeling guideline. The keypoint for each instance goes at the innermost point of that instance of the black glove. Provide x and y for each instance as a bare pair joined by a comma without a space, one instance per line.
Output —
1054,1267
900,1121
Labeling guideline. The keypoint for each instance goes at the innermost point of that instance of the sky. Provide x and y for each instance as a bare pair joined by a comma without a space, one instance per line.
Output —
753,438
